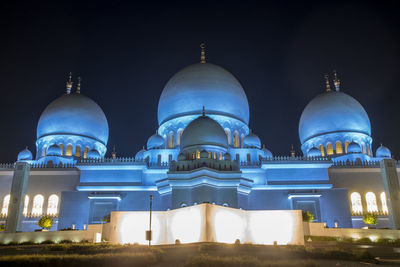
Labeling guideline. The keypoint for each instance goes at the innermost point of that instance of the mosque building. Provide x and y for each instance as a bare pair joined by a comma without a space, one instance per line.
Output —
202,152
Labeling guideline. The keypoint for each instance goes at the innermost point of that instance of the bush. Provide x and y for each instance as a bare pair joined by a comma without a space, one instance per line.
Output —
47,242
2,227
107,218
307,216
46,222
370,218
65,241
27,243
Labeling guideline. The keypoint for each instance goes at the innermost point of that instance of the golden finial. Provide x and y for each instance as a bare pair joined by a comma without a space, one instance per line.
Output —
203,54
78,86
328,86
69,83
204,111
336,81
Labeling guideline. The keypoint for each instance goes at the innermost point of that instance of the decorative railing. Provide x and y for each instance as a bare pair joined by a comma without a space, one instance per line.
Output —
7,165
356,164
296,158
52,166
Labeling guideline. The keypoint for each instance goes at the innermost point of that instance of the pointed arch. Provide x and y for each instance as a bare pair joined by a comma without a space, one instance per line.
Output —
52,206
385,209
171,139
321,148
346,144
68,151
228,135
85,152
371,202
78,151
26,205
6,203
37,206
329,149
236,141
356,204
338,147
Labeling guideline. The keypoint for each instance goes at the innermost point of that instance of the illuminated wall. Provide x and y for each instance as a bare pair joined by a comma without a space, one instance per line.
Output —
208,223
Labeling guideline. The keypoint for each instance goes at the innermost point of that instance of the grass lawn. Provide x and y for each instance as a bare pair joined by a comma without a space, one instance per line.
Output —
190,255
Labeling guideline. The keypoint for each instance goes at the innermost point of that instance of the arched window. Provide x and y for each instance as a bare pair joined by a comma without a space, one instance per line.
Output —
85,152
193,155
178,137
329,149
321,148
171,139
236,141
159,159
346,144
52,206
371,202
385,209
26,204
215,155
364,149
62,149
77,151
68,152
248,157
169,157
6,203
356,204
237,157
241,140
209,155
44,151
220,156
339,148
228,135
37,207
197,154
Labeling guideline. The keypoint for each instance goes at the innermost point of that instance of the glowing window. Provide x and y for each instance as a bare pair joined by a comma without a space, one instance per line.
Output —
77,151
26,203
37,207
62,149
346,144
44,151
364,149
220,156
329,149
52,206
68,152
236,141
197,154
384,203
248,158
85,152
209,155
228,135
6,203
321,148
171,140
356,204
339,148
215,155
178,137
242,139
193,156
371,202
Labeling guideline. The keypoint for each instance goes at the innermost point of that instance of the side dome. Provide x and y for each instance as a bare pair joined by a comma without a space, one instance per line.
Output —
54,150
140,155
252,141
314,152
204,131
199,85
353,147
267,153
93,154
74,114
331,112
155,141
25,154
383,152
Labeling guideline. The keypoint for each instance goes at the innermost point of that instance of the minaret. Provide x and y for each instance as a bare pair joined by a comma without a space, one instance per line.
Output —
292,152
328,86
336,81
69,83
114,153
78,86
203,54
204,112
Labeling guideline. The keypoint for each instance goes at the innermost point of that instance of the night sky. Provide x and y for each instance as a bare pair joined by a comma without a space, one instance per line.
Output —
126,53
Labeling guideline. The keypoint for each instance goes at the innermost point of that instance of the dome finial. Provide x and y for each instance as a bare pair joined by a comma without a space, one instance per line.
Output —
69,83
78,86
203,54
336,81
328,86
204,111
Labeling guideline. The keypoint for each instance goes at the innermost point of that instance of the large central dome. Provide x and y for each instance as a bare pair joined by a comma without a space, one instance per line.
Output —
203,85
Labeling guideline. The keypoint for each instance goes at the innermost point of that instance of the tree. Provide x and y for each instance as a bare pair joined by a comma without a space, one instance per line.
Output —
370,218
107,218
46,222
307,216
2,227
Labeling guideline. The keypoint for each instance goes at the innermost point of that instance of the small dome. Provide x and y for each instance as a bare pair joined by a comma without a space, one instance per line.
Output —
204,131
25,154
314,152
332,112
140,155
252,141
181,156
383,152
203,154
267,153
93,154
199,85
54,150
155,141
354,147
74,114
227,156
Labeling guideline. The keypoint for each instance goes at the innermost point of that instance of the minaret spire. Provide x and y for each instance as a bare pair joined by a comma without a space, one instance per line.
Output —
114,153
203,54
78,86
204,111
328,86
336,81
69,83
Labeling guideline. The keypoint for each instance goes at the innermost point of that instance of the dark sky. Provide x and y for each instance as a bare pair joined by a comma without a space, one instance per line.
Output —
126,53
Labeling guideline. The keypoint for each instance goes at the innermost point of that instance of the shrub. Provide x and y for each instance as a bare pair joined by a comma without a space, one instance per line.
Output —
65,241
2,227
307,216
46,222
47,242
107,218
370,218
27,243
